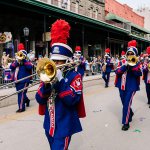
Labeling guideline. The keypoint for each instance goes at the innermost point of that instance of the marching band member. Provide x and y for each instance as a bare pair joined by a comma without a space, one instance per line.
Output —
123,55
61,102
146,74
107,67
77,56
128,81
22,68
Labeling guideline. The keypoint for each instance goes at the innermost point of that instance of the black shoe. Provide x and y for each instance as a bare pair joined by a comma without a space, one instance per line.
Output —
131,117
125,127
28,103
106,86
20,110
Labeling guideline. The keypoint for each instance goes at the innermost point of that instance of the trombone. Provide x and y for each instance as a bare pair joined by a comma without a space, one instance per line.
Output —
44,66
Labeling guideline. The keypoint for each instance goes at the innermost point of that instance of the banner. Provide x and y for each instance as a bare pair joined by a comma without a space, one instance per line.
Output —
5,37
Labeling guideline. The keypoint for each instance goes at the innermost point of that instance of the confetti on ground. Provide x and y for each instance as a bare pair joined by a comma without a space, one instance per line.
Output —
1,141
137,130
142,118
95,111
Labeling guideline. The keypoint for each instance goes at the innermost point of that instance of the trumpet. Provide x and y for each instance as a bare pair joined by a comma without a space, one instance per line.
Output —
20,55
132,60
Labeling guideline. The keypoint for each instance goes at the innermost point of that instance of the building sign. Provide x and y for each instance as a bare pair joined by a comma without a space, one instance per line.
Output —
46,36
5,37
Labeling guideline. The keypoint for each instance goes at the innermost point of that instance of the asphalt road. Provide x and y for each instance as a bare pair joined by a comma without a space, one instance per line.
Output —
101,127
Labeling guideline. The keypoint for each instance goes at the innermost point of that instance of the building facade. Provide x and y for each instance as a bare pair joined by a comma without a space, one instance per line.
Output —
89,29
123,16
90,8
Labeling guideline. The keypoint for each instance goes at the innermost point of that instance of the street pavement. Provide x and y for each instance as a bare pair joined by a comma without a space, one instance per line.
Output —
101,127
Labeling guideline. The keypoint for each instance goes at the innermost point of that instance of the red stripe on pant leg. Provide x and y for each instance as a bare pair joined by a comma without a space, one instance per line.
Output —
21,103
66,143
128,113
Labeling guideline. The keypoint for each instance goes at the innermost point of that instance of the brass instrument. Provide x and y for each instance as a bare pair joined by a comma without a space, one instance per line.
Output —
104,68
46,67
148,66
20,55
132,60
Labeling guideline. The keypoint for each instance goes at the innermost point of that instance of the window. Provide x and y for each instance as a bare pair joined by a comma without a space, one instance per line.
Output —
77,7
64,4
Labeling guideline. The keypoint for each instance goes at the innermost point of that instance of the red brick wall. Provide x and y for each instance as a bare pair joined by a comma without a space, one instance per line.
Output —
123,11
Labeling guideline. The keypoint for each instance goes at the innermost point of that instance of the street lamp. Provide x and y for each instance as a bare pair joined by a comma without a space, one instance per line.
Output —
26,34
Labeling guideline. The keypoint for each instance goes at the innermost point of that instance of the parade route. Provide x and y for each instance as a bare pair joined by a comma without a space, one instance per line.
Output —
101,127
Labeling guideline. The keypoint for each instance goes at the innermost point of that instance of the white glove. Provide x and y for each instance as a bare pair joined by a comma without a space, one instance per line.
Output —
124,62
44,77
59,75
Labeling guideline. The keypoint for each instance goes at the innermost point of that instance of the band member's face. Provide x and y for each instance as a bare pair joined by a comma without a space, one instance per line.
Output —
130,53
59,62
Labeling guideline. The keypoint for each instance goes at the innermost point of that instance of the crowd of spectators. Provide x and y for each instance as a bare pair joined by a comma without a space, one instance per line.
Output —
93,65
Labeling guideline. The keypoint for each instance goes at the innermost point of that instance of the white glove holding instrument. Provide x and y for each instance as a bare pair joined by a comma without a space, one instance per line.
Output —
44,77
59,75
124,62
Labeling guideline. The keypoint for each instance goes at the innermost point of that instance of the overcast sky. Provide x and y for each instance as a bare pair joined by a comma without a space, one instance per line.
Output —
136,3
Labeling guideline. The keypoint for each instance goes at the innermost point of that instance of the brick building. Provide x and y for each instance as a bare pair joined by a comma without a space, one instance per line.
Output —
123,11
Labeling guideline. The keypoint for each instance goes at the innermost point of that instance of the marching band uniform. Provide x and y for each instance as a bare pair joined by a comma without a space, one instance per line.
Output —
109,66
63,110
21,69
80,68
146,75
128,81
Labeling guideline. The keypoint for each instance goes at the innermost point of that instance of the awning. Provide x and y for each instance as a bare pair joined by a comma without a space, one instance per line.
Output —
140,38
140,28
111,16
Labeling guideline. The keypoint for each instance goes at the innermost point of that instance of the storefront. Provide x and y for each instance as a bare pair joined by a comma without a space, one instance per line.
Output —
92,35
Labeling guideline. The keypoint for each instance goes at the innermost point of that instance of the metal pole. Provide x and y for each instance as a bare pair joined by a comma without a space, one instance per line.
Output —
83,38
18,80
45,34
18,91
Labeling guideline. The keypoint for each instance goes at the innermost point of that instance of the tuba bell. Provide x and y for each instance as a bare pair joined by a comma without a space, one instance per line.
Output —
132,60
20,55
46,70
